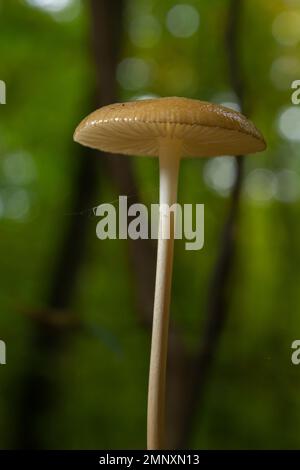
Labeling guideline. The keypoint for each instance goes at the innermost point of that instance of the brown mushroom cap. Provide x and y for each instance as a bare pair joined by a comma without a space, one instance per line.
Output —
137,127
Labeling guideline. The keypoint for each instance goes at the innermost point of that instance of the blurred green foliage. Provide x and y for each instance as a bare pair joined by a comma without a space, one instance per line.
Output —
252,399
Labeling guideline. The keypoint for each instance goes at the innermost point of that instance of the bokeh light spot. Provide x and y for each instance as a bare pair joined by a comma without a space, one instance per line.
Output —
60,10
289,123
52,6
227,99
286,28
17,205
19,168
133,73
183,20
219,174
144,96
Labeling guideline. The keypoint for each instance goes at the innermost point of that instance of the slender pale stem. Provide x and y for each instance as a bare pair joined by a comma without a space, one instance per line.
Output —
169,160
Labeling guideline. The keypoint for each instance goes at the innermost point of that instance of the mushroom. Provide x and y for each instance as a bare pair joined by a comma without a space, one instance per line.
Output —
170,128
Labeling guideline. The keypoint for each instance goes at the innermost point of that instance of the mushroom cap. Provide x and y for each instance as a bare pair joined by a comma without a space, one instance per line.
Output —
137,127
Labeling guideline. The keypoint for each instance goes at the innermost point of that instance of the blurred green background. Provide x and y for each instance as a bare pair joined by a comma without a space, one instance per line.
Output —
71,306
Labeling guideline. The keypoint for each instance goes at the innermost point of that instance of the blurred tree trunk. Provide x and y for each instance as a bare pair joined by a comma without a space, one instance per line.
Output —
39,387
221,283
106,18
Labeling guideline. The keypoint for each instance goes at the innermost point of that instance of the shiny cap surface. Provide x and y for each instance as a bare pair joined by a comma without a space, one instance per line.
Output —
137,127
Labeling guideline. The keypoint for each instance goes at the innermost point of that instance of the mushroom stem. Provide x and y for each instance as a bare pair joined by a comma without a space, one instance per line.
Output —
169,160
